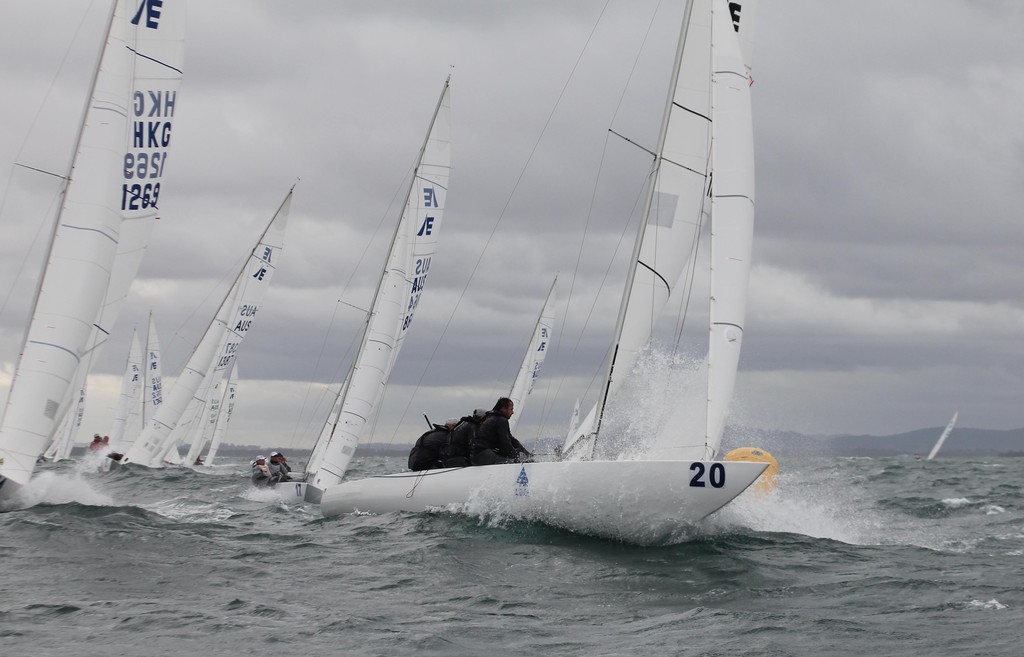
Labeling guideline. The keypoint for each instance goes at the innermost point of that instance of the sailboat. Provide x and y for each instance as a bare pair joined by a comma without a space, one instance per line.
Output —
141,390
216,351
536,352
706,128
110,202
397,296
942,438
224,410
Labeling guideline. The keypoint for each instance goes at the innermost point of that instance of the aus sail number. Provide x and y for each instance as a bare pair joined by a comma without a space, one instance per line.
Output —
715,475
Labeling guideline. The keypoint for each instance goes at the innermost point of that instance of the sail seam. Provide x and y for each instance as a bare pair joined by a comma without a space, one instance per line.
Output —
94,230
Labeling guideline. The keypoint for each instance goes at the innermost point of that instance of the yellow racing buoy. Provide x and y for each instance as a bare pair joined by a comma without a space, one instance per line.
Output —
769,479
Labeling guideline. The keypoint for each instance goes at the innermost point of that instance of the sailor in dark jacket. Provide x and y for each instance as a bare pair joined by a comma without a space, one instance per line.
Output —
494,442
428,452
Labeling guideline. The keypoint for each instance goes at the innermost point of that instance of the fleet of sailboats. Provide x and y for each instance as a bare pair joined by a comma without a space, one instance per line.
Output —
701,176
110,201
213,357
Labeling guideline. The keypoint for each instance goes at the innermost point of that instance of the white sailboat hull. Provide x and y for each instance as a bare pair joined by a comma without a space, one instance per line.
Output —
620,499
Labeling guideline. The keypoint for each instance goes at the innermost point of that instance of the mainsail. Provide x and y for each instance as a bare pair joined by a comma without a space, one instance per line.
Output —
394,304
679,202
111,197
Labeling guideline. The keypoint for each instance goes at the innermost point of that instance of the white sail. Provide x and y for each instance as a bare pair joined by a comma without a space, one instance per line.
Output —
206,421
942,438
114,181
128,417
395,301
732,220
534,358
709,62
218,345
227,405
675,208
153,391
64,440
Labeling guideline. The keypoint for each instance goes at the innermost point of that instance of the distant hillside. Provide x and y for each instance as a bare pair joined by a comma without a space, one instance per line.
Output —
962,442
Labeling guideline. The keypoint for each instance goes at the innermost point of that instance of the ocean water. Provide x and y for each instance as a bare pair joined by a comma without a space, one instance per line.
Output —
851,556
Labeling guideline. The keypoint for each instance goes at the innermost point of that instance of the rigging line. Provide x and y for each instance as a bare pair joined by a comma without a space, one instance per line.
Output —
28,136
22,268
630,141
593,195
43,171
692,265
604,279
348,282
501,214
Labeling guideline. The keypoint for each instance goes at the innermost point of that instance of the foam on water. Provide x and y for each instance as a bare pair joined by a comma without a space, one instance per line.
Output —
49,487
991,604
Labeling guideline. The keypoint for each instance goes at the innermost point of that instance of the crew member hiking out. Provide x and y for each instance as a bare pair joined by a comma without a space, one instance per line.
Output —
456,453
428,452
494,442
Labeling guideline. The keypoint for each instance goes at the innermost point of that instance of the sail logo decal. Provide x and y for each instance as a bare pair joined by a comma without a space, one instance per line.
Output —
152,8
429,201
427,227
522,484
734,11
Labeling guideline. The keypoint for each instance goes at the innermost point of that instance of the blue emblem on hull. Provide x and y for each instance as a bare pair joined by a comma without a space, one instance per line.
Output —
522,484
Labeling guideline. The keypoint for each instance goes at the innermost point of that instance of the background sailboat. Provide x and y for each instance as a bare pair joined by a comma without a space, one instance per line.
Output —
533,360
942,438
110,200
227,406
217,349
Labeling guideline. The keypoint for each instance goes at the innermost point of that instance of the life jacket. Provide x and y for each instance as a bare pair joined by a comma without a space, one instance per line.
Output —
427,453
456,453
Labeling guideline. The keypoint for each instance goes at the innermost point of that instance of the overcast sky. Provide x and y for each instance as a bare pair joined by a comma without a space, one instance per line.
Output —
887,277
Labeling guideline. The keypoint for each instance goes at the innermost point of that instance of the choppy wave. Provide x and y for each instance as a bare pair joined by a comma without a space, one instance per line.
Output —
848,556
